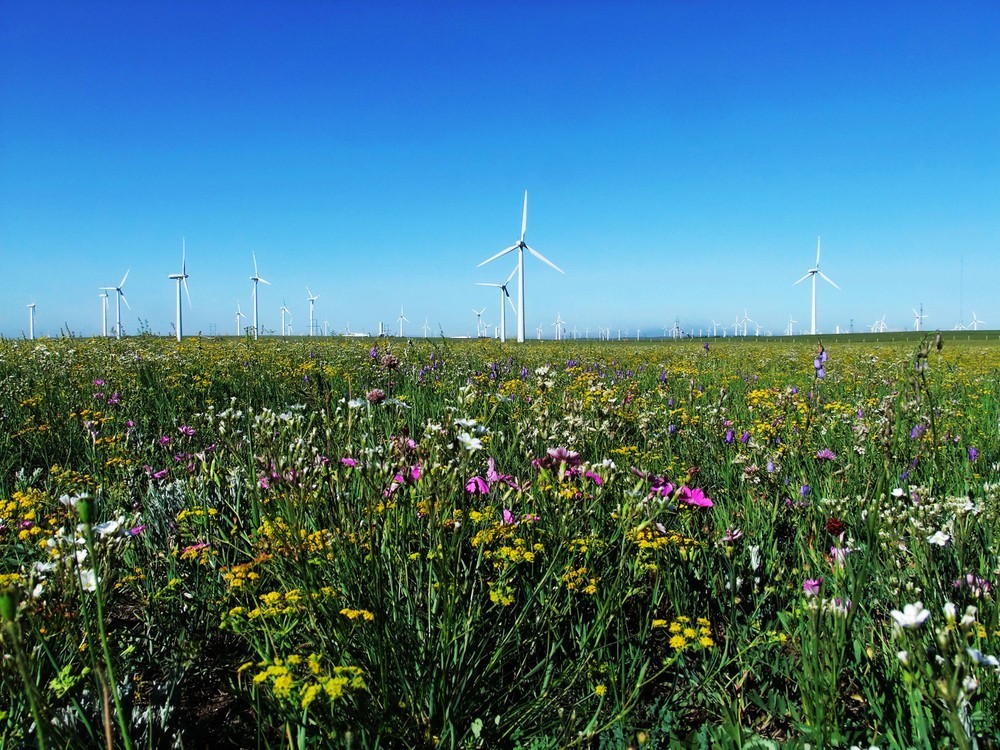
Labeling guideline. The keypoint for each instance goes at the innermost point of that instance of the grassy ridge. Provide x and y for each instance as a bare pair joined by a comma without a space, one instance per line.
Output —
310,543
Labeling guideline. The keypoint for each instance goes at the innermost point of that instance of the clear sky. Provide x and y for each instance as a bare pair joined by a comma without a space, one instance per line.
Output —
681,159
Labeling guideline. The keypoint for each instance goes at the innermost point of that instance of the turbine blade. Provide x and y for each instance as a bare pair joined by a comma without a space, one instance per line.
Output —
263,281
544,259
502,252
483,283
803,278
187,291
124,300
512,273
255,272
524,216
828,279
125,277
183,256
817,252
511,303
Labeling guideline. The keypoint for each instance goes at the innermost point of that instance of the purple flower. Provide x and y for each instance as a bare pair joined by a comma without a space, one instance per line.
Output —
114,399
98,382
770,467
732,535
706,346
812,586
826,455
804,490
349,462
729,436
165,440
186,430
745,438
509,519
136,530
917,431
973,453
375,396
693,496
477,486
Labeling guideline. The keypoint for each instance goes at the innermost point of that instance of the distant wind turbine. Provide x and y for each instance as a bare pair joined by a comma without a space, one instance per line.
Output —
790,329
312,300
256,279
975,321
427,327
285,311
479,321
119,298
31,321
813,273
520,246
181,278
558,323
504,300
401,319
918,321
239,314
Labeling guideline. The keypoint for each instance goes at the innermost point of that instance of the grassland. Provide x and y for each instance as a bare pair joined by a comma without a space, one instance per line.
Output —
389,543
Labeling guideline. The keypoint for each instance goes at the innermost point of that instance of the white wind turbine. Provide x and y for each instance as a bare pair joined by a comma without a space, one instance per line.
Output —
520,246
119,298
918,321
401,319
504,299
558,323
31,321
538,333
181,278
256,279
239,314
312,300
813,273
285,311
104,314
790,328
479,321
975,321
427,327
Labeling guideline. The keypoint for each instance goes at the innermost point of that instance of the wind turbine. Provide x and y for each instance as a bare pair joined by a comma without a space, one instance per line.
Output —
479,320
104,314
558,323
789,329
181,278
426,327
975,321
520,246
239,314
119,298
918,322
31,321
312,300
284,311
256,279
402,318
813,273
504,298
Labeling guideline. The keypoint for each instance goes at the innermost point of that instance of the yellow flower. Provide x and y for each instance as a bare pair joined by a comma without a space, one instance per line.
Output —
659,623
678,642
706,642
600,690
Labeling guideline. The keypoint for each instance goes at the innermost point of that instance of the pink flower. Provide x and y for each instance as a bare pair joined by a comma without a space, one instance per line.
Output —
693,496
811,586
349,462
826,455
508,517
477,486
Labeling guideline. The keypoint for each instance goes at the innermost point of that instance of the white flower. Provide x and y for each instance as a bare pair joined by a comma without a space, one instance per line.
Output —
939,538
904,658
109,527
950,611
465,422
468,442
88,580
984,660
912,616
898,492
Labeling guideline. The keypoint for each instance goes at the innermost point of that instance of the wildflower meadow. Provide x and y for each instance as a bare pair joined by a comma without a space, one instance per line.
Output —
310,543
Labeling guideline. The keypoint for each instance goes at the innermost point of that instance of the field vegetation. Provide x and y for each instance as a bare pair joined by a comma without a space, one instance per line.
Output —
416,544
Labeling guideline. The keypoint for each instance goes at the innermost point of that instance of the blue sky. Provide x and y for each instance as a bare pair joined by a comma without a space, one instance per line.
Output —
681,160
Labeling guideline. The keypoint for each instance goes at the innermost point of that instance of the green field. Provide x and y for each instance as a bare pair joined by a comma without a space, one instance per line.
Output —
430,543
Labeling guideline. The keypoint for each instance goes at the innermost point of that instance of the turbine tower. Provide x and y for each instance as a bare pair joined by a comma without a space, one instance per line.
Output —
401,319
119,298
31,321
504,299
520,246
813,273
312,301
181,278
479,321
256,279
104,314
